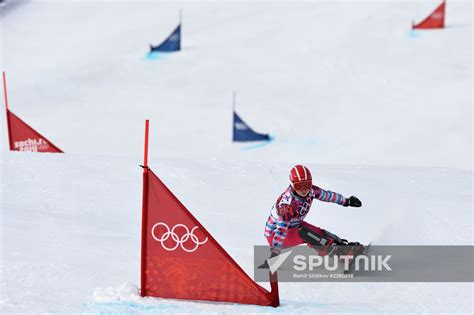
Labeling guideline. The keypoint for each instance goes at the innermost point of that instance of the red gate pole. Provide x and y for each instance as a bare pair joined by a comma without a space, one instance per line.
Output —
6,110
144,215
274,289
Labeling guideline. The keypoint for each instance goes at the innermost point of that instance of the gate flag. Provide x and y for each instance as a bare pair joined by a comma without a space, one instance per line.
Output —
434,20
24,138
180,258
241,132
172,43
21,136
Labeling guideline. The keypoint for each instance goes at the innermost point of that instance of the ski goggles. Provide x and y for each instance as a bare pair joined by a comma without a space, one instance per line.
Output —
303,185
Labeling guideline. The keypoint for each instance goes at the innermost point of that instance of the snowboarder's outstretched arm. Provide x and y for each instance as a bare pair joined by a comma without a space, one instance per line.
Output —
328,196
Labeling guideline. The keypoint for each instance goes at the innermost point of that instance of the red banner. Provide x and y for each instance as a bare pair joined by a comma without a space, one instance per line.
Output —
434,20
24,138
181,260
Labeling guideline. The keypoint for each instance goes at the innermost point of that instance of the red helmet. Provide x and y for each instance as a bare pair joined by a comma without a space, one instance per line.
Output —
300,173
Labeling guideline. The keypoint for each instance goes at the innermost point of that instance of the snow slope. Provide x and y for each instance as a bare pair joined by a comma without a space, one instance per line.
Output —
345,87
70,229
334,82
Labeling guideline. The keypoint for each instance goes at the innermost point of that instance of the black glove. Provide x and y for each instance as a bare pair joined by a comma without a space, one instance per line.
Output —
353,201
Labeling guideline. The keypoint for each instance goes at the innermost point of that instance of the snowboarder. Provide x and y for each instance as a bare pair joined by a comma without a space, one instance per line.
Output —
286,227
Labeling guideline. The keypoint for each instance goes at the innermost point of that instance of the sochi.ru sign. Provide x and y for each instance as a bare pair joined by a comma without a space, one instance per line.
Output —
31,145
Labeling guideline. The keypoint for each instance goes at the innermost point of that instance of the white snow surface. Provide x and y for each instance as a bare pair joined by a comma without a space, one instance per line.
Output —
345,87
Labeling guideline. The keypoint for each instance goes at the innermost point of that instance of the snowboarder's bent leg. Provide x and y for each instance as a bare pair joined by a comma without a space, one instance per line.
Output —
321,240
326,234
312,235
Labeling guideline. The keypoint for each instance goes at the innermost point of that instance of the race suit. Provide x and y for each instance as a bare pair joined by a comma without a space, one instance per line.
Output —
288,213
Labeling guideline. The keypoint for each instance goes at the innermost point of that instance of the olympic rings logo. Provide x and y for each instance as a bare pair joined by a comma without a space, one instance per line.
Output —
303,209
174,236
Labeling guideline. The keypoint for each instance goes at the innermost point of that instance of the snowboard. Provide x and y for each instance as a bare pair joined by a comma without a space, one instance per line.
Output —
364,251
